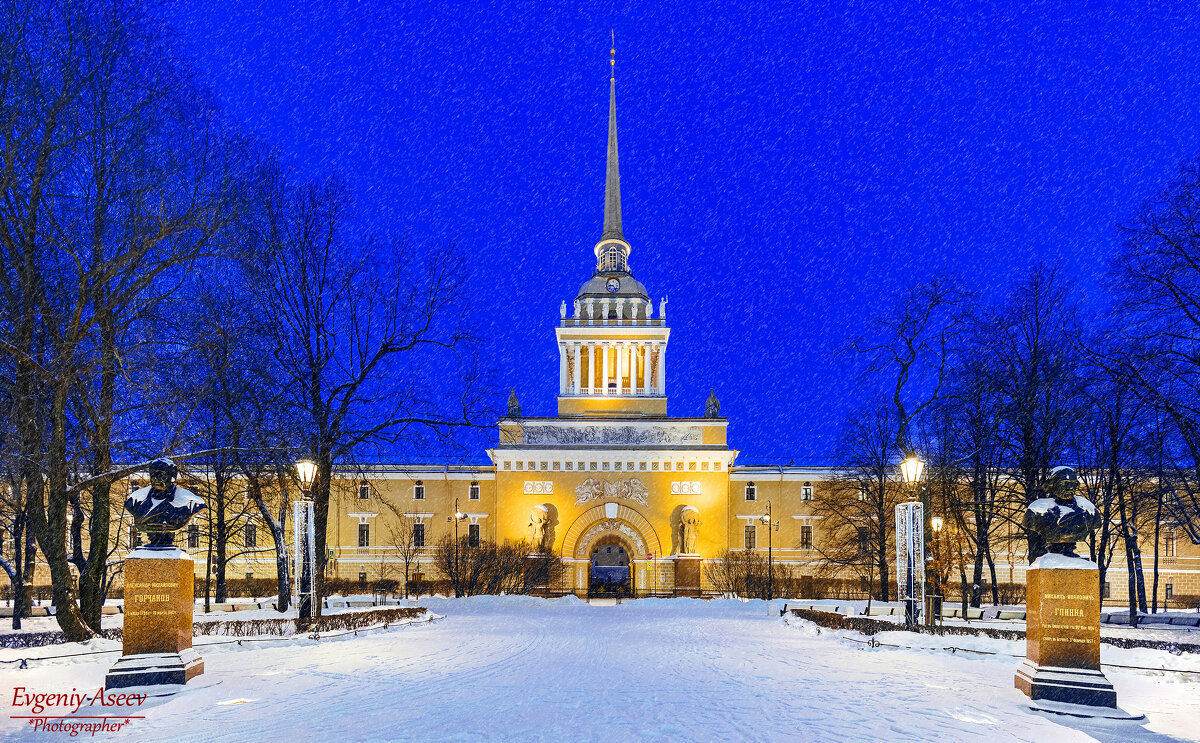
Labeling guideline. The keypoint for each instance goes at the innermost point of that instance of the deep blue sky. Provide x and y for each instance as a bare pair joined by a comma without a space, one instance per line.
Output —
783,170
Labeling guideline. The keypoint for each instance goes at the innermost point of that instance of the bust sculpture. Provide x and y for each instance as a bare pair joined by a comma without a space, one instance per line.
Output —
163,508
712,406
539,517
689,520
1062,519
514,407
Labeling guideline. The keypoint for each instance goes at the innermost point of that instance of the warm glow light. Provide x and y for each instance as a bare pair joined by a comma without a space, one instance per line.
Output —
936,521
459,515
912,468
307,471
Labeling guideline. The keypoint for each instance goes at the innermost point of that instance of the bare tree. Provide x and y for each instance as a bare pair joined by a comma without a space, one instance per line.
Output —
857,511
402,540
366,334
115,174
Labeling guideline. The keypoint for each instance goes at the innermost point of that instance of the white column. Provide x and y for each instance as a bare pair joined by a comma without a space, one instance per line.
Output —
620,366
591,369
604,378
631,350
661,387
575,387
646,369
562,369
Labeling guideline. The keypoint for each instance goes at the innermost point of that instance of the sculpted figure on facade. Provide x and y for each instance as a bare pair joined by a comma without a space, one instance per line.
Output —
1062,519
539,519
689,520
163,508
514,406
594,489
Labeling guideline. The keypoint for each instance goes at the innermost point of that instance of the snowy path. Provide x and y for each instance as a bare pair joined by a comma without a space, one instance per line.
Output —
525,669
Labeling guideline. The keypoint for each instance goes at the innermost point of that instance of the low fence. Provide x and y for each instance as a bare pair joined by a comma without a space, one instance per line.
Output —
282,626
869,626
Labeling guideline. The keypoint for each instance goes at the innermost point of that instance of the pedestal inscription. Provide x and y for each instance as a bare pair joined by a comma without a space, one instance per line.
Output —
1063,634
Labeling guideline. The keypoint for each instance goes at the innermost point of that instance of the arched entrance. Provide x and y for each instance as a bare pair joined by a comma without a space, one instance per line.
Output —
610,568
609,524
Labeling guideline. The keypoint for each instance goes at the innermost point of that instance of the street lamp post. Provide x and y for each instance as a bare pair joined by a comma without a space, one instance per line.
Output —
304,539
457,517
936,609
771,526
911,469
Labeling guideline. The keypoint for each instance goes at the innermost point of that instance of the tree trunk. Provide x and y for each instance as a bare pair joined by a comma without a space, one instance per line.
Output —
52,525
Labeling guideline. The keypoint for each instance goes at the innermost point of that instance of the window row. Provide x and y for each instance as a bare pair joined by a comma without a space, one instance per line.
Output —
750,538
418,491
665,466
806,491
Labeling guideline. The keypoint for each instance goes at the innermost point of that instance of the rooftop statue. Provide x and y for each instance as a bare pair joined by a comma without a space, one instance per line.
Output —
162,508
712,406
514,407
1062,519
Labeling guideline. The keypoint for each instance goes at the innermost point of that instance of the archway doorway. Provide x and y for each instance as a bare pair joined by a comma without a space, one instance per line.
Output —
610,568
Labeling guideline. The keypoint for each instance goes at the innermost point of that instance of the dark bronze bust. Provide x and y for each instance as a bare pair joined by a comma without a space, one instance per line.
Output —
1063,518
163,508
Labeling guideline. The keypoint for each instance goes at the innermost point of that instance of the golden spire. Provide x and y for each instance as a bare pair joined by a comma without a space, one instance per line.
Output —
612,53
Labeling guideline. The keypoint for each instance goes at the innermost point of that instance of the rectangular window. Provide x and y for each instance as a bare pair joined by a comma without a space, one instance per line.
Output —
1107,590
617,466
806,492
251,536
364,535
418,535
364,490
473,491
570,465
862,494
556,465
362,577
642,466
704,466
1170,590
419,491
751,491
473,535
249,576
193,536
1169,545
508,465
864,541
806,537
544,466
750,536
135,539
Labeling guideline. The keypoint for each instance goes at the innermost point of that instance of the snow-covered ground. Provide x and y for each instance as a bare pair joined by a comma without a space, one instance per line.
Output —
521,668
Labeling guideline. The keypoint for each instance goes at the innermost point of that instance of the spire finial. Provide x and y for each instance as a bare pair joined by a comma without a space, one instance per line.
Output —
612,179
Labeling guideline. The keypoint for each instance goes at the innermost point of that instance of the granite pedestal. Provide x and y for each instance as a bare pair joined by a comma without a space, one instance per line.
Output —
157,635
1063,634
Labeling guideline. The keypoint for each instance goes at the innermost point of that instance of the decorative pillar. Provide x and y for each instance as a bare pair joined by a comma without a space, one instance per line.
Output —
661,372
562,369
631,350
575,371
645,369
591,369
604,379
620,363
